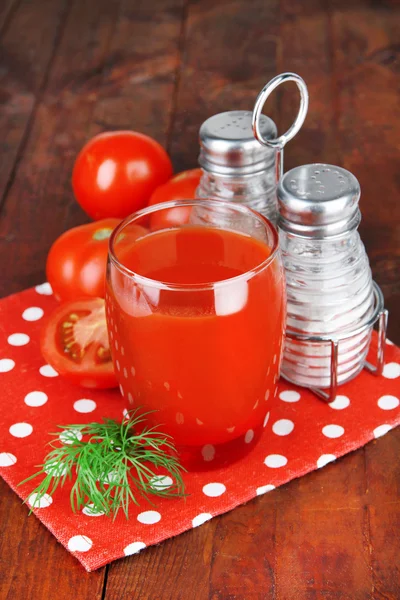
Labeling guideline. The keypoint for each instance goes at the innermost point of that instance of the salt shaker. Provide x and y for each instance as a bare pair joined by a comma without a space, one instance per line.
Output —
332,301
236,166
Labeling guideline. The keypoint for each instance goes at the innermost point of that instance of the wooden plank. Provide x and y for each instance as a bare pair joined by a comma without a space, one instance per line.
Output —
24,65
369,130
383,493
97,82
322,535
244,552
229,54
304,48
32,564
177,569
7,9
321,522
37,202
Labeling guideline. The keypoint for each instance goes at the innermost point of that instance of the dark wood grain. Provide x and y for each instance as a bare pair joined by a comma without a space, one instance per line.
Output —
24,68
32,564
72,69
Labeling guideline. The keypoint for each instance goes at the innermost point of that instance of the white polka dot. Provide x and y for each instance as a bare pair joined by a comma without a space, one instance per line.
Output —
214,489
200,519
266,418
55,469
117,365
34,313
381,430
161,483
122,351
134,548
388,402
255,405
18,339
125,373
79,543
249,436
6,364
44,289
333,431
264,489
167,386
266,395
44,502
84,406
391,370
110,477
180,419
116,341
125,412
229,429
121,389
208,452
7,459
48,371
133,371
89,511
35,399
289,396
324,459
340,402
130,398
149,517
21,430
70,436
283,427
275,461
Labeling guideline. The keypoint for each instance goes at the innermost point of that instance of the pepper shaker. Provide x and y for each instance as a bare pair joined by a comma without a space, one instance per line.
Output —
236,166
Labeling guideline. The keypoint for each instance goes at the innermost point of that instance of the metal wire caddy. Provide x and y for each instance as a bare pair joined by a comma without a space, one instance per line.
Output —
379,318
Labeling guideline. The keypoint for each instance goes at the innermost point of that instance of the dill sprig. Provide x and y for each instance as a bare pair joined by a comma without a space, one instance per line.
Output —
112,466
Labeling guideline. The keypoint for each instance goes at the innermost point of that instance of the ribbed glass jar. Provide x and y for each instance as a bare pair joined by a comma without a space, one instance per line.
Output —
236,167
329,291
257,191
329,283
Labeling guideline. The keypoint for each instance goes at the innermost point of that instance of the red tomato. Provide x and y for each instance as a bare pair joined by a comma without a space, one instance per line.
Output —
75,343
76,263
115,173
181,187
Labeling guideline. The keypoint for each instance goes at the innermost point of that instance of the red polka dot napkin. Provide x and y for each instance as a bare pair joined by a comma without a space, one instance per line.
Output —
301,434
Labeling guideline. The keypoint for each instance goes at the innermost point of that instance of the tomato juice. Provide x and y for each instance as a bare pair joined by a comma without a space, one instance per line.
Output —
196,321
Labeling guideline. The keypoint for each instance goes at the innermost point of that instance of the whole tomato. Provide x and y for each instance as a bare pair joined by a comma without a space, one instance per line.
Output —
181,187
77,261
115,173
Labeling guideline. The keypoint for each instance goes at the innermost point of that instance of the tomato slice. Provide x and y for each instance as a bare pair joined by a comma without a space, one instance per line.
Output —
75,343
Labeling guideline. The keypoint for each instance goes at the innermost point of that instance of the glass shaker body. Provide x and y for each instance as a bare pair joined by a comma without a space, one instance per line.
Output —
329,282
236,167
329,290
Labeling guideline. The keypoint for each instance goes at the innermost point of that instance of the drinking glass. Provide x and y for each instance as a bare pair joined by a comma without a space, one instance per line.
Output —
196,307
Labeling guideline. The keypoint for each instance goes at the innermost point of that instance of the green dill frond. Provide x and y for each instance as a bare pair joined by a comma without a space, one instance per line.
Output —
111,465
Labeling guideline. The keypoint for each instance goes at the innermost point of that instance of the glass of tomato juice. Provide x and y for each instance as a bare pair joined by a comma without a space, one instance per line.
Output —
195,305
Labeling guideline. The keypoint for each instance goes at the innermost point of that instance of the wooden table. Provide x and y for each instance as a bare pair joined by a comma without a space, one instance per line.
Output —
72,68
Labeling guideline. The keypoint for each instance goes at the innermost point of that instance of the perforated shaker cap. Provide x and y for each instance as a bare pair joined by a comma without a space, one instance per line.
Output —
318,201
228,145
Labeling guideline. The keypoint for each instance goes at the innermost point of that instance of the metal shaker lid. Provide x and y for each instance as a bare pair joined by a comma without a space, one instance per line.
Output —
228,146
318,201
